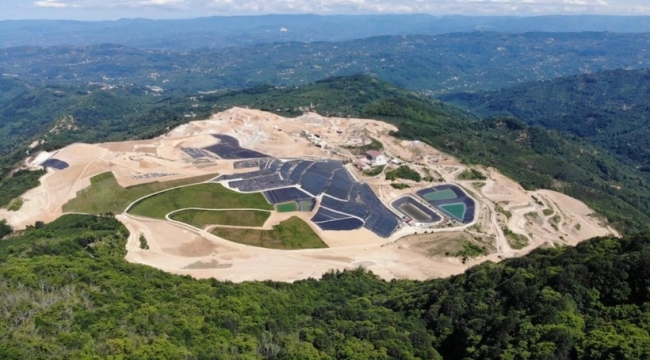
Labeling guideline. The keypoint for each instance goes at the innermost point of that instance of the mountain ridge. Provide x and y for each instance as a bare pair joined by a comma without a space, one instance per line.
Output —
608,108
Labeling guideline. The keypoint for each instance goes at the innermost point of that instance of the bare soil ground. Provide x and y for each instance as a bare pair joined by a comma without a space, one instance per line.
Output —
409,253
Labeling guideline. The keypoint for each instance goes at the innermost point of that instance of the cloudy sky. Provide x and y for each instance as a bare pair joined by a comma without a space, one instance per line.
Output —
115,9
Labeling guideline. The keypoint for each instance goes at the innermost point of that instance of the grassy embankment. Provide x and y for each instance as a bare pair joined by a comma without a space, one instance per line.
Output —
203,218
290,234
105,195
207,196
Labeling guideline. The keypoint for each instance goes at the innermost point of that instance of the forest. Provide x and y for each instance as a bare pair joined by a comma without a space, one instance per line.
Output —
69,293
437,64
609,109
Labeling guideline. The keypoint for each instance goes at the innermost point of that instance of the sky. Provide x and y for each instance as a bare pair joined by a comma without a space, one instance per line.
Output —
166,9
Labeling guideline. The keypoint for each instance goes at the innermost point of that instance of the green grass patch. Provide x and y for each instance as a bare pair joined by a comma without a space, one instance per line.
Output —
203,218
471,174
503,211
291,234
16,204
555,222
209,196
105,195
478,185
534,217
359,150
516,241
470,250
374,171
404,172
400,186
287,207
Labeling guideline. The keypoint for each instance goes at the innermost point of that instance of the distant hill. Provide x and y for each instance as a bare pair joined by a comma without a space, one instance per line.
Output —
224,31
432,64
610,109
10,87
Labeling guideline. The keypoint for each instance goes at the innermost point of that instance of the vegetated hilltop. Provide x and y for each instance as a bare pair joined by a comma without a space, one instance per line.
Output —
439,64
69,293
57,115
534,157
222,31
610,109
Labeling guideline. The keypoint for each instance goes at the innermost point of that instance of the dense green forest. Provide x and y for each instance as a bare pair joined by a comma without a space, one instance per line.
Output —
69,293
17,184
434,63
610,109
58,115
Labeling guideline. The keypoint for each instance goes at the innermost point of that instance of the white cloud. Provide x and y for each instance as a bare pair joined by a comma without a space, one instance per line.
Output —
51,4
160,2
194,8
475,7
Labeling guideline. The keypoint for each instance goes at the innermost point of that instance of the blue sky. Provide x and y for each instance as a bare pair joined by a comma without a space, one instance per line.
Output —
158,9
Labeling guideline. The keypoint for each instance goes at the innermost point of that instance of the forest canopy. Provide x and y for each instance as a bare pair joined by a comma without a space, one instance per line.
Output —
69,293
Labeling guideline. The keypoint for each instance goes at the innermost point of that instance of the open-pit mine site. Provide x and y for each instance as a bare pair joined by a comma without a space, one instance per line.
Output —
250,195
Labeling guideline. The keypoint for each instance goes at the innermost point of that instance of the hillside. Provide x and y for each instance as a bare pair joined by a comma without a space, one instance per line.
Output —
57,115
533,157
69,293
437,64
610,109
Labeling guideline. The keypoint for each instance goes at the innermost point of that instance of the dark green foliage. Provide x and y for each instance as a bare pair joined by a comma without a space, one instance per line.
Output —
610,109
442,63
5,229
471,174
404,172
374,145
517,241
60,115
17,183
72,284
584,302
374,171
143,242
400,186
470,250
69,293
